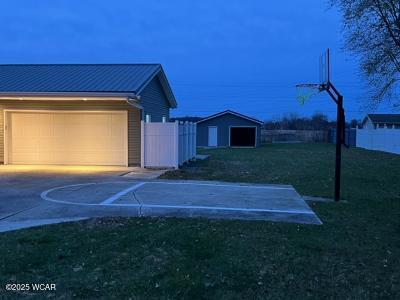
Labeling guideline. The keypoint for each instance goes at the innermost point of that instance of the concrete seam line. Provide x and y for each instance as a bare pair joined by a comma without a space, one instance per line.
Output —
18,212
122,193
223,185
139,203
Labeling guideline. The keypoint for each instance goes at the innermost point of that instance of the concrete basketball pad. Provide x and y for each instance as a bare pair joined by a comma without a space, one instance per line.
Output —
215,200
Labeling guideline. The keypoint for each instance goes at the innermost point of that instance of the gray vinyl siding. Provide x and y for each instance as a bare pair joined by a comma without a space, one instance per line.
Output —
134,132
223,123
154,101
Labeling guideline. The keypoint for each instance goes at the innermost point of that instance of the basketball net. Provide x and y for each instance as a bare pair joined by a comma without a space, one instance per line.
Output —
306,91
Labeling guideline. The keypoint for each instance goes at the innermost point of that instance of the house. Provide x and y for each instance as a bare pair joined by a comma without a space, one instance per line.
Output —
228,129
376,121
79,114
380,132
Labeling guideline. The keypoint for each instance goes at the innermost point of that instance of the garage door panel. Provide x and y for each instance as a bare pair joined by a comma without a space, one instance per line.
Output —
116,121
50,144
25,143
87,157
23,130
24,156
89,131
75,138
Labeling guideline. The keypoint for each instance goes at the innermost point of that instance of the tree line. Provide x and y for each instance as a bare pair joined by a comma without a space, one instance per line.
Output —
291,121
318,121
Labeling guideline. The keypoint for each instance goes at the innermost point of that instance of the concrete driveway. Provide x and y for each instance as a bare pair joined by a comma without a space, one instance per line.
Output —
32,197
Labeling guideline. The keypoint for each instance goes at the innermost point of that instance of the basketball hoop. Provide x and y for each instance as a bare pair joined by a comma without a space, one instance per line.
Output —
308,90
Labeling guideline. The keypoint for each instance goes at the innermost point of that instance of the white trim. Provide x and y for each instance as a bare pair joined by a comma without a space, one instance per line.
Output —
63,110
255,137
208,136
232,113
65,97
6,127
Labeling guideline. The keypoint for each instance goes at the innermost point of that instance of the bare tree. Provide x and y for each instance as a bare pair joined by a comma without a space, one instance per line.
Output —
372,32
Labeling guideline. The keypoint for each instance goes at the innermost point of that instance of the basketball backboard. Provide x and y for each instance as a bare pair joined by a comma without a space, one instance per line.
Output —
325,68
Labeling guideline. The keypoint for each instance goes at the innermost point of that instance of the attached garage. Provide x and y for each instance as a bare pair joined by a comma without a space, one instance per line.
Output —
229,129
66,137
79,114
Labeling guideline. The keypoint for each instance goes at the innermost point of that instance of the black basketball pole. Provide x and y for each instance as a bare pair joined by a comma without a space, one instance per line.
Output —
340,128
338,163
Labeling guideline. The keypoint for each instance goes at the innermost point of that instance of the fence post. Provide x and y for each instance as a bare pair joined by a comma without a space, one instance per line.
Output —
190,141
142,146
181,143
176,145
186,140
195,142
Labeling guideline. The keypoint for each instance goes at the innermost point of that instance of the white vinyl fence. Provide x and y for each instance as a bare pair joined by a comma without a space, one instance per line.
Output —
168,145
381,139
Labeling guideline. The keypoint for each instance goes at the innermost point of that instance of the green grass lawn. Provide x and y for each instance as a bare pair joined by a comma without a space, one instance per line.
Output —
355,254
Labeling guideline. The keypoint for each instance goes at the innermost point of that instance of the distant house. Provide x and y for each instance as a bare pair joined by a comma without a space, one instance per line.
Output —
380,132
228,129
376,121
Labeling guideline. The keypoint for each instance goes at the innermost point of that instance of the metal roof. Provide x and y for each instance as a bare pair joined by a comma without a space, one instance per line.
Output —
384,118
85,78
232,113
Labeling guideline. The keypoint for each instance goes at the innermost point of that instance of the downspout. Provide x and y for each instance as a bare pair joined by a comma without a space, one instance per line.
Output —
135,103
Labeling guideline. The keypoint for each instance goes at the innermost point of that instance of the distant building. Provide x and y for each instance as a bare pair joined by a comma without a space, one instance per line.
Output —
185,119
376,121
380,132
229,129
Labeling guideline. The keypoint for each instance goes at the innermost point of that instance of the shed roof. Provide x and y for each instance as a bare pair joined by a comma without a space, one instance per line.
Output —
84,78
384,118
232,113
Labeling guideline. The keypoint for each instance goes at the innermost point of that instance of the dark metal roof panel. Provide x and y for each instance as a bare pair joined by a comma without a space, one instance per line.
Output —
76,77
385,118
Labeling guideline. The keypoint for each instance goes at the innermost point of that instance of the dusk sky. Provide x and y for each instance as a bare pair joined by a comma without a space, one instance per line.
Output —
240,55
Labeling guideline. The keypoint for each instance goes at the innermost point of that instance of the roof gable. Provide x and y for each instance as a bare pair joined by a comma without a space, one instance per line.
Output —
232,113
81,78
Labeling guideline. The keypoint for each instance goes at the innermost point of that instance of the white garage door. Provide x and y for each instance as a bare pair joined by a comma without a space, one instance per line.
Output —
67,138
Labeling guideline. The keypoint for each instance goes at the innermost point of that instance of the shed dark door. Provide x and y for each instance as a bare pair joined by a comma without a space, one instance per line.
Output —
243,136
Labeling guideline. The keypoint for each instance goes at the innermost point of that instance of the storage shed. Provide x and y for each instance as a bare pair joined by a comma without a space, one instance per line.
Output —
228,129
